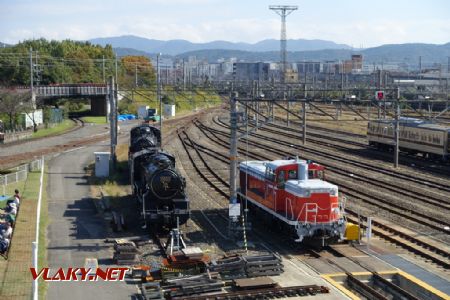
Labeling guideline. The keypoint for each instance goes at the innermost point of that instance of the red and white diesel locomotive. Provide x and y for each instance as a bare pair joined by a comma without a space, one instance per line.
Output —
293,193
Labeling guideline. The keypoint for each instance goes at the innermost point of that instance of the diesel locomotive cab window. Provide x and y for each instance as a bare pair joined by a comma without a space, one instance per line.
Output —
292,174
320,174
270,175
281,179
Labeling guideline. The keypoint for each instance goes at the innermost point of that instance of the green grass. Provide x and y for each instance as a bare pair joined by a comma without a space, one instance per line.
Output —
15,279
59,128
44,222
9,190
185,101
95,119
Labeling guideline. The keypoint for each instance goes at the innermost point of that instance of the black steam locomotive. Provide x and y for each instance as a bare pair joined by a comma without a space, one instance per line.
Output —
158,186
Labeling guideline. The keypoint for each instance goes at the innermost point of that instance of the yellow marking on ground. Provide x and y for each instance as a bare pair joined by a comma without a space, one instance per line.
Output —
339,286
347,292
424,285
390,272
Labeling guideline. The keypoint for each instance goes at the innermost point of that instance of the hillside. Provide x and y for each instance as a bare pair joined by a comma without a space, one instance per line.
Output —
175,47
401,53
267,50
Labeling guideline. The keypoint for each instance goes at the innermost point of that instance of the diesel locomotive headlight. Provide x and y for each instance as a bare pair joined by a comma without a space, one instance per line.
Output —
333,193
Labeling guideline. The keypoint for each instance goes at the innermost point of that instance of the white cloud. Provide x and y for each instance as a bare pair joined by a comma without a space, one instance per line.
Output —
205,20
372,33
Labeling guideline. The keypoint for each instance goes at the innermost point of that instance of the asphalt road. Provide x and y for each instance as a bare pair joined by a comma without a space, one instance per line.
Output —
32,145
75,231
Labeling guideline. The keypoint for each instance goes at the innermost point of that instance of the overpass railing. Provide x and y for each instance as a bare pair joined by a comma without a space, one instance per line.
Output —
75,90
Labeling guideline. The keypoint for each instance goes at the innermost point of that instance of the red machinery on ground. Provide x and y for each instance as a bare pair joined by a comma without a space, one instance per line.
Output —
293,193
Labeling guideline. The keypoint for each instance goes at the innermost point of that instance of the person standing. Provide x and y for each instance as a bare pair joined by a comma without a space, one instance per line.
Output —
16,194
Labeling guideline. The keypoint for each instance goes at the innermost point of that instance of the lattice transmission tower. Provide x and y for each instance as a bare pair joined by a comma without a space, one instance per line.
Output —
283,11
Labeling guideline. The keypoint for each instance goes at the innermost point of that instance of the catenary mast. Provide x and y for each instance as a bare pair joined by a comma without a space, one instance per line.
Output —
283,11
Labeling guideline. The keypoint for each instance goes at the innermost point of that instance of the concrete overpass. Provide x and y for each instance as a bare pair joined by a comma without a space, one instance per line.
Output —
96,92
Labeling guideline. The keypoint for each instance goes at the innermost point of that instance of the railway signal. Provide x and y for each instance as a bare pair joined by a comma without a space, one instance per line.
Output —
379,95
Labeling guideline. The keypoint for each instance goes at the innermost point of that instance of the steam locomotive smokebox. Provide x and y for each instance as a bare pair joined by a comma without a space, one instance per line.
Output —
102,164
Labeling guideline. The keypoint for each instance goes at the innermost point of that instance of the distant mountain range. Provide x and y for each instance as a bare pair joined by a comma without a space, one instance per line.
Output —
175,47
268,50
401,53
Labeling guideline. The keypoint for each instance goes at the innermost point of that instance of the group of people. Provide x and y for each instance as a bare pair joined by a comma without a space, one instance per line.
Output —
7,221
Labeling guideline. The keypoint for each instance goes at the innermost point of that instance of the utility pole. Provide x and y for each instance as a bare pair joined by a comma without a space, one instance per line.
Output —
31,73
258,96
158,94
112,120
117,78
283,11
304,122
288,110
37,70
135,77
184,76
420,67
380,78
103,69
397,129
233,163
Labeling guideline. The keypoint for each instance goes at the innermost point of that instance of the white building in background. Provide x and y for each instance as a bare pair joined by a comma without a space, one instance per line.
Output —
226,68
208,70
37,116
169,110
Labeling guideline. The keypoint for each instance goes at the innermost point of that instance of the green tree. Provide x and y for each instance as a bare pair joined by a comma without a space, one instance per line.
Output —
59,61
136,65
13,102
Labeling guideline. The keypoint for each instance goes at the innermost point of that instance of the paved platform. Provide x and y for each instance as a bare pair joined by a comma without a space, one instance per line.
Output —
405,281
439,283
374,264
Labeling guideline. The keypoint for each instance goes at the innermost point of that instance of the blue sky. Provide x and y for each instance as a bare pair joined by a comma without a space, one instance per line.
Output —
356,23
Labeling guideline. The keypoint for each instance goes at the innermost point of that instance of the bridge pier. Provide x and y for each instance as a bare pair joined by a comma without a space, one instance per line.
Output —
96,92
99,106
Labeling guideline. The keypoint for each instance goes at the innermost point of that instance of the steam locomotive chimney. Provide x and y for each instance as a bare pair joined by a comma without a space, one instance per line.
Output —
302,171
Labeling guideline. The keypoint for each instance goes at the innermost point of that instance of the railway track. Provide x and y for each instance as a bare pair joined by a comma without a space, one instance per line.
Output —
395,186
210,210
331,135
437,255
443,186
202,167
379,201
320,135
265,293
318,128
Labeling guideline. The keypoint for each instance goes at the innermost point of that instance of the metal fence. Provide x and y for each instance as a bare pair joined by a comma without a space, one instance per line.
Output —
19,173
